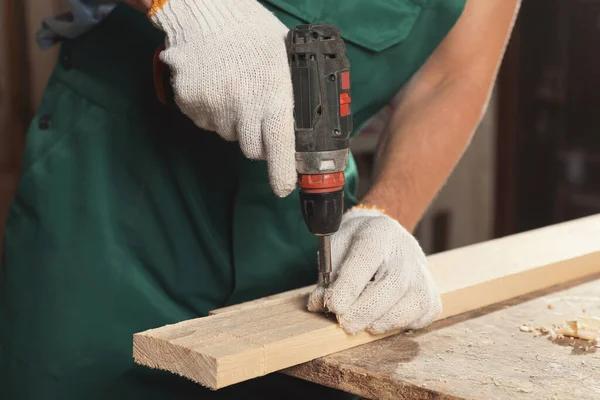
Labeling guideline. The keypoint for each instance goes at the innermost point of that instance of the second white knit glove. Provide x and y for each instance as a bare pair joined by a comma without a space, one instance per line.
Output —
380,280
230,74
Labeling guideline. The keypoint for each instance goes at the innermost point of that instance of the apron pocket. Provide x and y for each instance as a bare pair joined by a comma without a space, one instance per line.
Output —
375,25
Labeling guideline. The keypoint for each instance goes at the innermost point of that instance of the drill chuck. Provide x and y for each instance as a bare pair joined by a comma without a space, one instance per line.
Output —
322,202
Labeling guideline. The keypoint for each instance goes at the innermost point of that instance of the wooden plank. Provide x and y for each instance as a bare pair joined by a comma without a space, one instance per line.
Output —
267,336
478,355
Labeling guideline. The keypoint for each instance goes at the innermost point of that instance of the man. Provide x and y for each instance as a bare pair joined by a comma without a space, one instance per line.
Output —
131,214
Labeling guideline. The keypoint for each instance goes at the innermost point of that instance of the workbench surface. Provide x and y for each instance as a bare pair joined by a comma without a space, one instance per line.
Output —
479,355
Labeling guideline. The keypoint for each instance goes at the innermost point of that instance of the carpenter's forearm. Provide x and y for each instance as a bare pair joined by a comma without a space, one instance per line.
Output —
440,110
424,140
141,5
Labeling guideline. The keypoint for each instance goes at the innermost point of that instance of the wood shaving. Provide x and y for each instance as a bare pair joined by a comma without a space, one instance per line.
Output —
525,328
536,331
569,328
586,328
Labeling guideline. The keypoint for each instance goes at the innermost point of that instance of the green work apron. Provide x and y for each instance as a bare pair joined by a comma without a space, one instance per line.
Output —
128,217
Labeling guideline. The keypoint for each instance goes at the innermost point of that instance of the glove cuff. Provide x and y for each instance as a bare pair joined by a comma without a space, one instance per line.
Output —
368,209
189,20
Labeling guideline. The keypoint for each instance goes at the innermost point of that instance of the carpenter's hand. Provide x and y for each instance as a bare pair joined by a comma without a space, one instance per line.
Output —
230,74
402,294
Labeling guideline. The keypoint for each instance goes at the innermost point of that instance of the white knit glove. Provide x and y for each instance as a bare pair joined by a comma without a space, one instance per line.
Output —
402,294
230,74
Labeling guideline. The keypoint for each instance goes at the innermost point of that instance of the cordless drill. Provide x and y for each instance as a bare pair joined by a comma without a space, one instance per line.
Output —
323,123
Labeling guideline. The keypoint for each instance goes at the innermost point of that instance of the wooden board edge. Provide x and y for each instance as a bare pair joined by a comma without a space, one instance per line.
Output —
545,276
338,340
172,359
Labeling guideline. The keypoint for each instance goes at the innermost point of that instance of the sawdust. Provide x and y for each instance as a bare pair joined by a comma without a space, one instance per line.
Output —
585,328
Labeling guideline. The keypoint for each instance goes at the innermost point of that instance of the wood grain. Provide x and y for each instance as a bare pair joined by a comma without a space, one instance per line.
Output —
272,300
264,336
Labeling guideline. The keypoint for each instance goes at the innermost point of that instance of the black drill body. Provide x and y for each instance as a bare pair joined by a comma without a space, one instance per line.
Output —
317,59
323,124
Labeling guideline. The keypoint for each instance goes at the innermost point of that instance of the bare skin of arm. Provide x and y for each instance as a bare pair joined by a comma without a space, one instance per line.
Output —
439,111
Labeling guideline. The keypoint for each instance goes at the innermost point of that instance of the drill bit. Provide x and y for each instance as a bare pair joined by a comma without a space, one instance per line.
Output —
325,265
325,259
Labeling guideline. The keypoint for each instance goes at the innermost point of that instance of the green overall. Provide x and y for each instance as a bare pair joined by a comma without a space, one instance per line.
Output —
128,217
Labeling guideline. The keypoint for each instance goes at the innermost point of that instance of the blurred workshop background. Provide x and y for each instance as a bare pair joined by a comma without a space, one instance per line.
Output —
534,161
